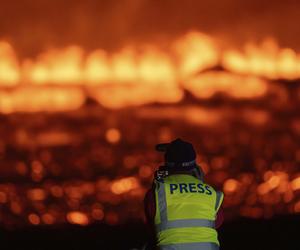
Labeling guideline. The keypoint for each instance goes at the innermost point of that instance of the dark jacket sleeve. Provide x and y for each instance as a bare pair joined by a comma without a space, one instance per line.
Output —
150,210
150,206
219,218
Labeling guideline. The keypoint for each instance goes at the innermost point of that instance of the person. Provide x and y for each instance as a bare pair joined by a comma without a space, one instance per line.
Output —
181,210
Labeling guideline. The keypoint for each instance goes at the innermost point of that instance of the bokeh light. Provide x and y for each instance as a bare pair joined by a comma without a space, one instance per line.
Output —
77,217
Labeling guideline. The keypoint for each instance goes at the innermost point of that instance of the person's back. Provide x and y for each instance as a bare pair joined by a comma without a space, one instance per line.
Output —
185,213
185,206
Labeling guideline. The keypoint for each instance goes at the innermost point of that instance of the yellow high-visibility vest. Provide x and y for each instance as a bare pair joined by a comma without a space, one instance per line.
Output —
185,216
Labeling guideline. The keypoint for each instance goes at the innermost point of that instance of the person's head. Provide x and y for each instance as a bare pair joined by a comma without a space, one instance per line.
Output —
180,155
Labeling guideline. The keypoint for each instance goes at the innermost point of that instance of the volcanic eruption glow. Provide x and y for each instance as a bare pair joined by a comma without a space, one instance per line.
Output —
61,79
94,164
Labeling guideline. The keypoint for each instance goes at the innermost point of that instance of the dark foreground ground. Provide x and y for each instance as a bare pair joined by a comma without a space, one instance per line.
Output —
278,233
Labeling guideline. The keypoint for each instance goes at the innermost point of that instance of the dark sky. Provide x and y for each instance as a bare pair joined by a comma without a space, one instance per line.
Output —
34,25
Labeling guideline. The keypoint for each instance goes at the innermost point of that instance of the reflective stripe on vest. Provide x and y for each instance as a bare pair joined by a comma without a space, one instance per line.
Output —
191,246
218,200
185,223
162,203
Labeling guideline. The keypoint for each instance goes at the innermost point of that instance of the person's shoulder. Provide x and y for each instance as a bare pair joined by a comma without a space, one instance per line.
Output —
214,189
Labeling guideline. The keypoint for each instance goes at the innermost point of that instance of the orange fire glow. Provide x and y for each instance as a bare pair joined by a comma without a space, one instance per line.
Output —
36,194
296,183
229,101
34,219
77,217
61,79
207,84
124,185
267,60
274,180
113,135
230,186
9,68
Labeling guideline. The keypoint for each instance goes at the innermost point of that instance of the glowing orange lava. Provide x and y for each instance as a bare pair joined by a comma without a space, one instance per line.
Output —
77,217
124,185
62,79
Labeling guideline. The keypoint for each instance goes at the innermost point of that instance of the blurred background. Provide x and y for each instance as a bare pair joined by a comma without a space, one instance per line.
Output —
87,88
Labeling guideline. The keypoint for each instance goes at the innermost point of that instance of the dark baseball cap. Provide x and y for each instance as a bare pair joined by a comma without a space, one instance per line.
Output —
180,153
